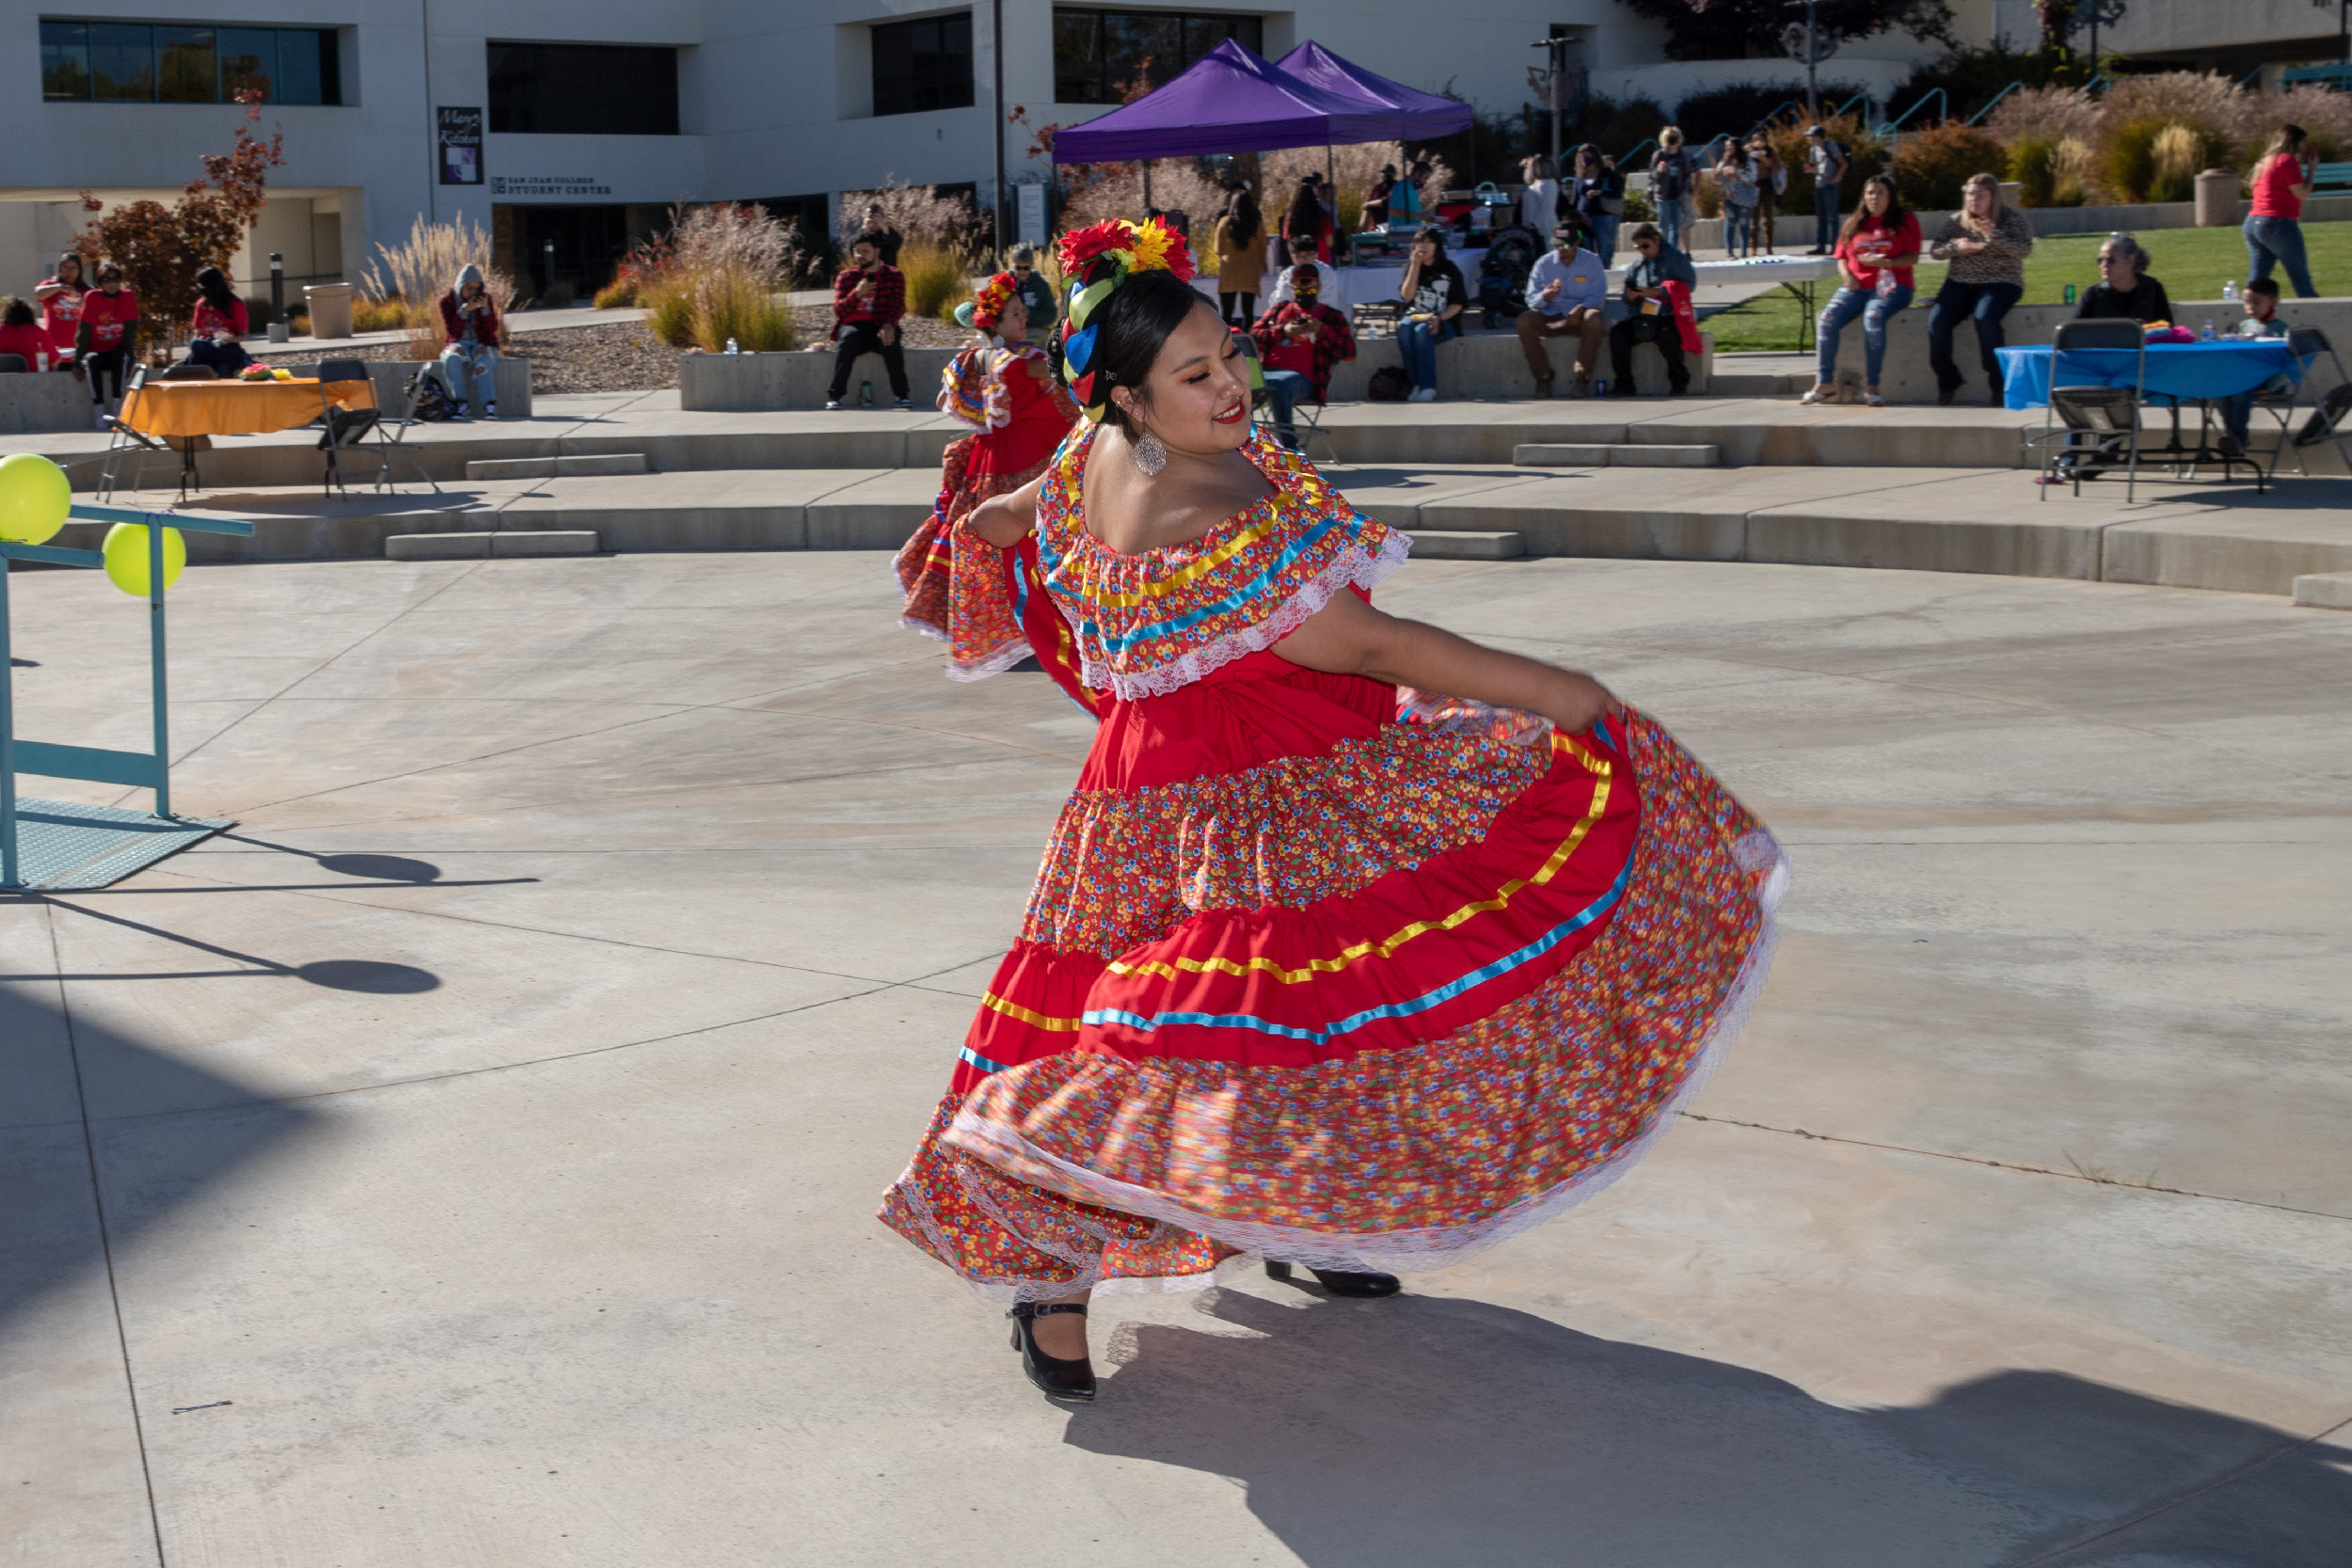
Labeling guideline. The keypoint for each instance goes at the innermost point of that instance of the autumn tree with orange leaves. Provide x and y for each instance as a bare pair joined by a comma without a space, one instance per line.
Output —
161,248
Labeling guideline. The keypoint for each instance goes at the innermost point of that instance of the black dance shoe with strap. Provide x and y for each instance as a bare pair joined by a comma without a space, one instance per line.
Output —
1057,1378
1341,1282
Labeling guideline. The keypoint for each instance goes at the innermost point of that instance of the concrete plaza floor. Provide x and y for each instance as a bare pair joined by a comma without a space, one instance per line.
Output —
470,1158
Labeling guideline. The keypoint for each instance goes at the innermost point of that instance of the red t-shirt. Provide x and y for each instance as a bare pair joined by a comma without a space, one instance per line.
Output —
209,320
2274,188
1899,240
1292,354
30,341
61,317
107,315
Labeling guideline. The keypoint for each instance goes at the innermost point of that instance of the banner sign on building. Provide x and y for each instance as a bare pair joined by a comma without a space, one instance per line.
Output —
1031,223
461,146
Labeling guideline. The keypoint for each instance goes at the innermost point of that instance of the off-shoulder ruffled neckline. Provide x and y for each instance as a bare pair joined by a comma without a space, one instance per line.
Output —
1073,488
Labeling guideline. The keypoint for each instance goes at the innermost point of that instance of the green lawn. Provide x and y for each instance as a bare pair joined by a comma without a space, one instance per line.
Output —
2191,262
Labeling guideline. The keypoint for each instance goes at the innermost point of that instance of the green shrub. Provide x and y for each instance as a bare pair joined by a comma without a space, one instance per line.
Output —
2157,160
2031,162
937,280
619,294
1932,165
1866,152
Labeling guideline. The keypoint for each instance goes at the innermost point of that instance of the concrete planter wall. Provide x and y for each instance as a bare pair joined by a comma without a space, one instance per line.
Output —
1907,378
32,403
1490,365
758,383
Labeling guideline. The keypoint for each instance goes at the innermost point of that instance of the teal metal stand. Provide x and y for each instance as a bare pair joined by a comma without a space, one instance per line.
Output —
55,843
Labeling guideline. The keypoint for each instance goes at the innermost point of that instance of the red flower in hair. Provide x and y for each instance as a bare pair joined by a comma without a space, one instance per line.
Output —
1081,246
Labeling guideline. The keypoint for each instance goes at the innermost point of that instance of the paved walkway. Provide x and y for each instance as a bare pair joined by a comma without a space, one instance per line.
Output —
469,1161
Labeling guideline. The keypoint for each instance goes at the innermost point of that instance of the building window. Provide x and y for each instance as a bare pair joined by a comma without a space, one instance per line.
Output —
576,89
920,66
1099,56
120,62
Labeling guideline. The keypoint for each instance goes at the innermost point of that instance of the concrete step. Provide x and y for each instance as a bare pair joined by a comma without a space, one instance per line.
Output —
1466,545
1752,384
1617,455
2324,590
557,468
498,544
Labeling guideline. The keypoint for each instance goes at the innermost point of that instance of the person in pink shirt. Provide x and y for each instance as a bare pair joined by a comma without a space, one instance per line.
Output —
2274,229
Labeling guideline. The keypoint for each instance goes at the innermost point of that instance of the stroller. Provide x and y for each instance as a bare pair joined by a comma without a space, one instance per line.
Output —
1502,276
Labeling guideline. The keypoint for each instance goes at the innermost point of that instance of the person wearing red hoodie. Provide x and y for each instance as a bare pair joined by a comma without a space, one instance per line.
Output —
469,325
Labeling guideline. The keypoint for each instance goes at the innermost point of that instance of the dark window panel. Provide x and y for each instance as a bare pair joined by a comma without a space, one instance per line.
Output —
1077,57
187,70
330,66
248,61
1138,45
65,59
122,62
922,66
583,89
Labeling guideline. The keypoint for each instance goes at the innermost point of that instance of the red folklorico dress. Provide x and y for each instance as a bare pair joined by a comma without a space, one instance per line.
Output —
1017,419
1305,975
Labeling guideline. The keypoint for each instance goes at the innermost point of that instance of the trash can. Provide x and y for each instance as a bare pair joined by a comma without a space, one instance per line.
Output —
2216,198
331,309
2012,193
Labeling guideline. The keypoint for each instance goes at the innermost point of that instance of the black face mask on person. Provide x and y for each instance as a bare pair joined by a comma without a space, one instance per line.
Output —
1306,297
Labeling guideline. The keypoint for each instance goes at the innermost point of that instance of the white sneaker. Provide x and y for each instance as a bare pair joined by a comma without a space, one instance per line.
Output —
1817,395
103,421
1424,394
1873,400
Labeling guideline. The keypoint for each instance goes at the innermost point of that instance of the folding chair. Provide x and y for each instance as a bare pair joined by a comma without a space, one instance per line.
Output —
122,441
2100,422
1306,419
396,443
2327,412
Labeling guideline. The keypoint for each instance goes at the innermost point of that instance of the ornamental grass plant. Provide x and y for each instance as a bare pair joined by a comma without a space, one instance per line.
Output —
719,276
937,280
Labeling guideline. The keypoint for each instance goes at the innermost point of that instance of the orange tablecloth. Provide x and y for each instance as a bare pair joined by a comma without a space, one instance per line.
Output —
236,408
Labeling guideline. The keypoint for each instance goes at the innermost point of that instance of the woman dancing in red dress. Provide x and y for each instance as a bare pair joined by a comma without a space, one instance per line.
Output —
1002,387
1316,969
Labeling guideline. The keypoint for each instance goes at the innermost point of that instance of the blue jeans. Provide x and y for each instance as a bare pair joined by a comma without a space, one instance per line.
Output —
1738,229
1673,213
2237,412
2279,240
1986,303
1418,342
1287,389
1824,217
470,382
1605,237
1843,306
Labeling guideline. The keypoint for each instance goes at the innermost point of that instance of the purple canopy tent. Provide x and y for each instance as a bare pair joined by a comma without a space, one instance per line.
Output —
1417,115
1233,101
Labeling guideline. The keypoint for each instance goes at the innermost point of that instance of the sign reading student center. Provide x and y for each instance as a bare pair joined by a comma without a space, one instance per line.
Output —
461,146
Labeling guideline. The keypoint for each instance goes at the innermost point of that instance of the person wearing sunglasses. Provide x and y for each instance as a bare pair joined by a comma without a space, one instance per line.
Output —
2124,289
1650,313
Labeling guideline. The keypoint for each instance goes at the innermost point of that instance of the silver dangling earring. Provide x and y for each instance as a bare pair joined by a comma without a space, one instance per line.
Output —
1150,457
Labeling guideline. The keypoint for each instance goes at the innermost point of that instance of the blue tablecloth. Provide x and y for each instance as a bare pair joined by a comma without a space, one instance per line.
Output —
2186,370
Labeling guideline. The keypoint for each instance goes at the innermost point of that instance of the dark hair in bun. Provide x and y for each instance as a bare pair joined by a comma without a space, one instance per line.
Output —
1136,320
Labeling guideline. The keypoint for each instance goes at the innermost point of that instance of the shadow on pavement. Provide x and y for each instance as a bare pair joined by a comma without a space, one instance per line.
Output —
49,1214
1423,1430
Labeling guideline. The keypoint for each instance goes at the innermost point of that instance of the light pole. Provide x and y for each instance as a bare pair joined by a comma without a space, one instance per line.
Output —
996,112
1812,65
1555,88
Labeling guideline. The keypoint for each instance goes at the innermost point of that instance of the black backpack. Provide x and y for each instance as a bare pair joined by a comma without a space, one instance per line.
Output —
1389,384
433,403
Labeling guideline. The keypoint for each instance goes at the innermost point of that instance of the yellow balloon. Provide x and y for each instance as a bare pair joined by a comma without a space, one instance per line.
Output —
125,550
35,497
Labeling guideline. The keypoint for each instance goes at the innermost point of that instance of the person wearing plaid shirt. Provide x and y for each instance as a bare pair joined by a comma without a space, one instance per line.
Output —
1298,341
870,296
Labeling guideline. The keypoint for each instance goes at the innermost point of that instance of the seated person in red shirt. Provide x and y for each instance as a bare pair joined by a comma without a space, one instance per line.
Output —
59,296
19,333
869,295
1299,343
101,351
220,325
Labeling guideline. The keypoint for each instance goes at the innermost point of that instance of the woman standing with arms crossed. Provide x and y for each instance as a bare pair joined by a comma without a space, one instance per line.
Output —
2274,229
1318,968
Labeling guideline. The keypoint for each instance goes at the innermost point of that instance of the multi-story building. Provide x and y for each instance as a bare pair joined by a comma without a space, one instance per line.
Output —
568,126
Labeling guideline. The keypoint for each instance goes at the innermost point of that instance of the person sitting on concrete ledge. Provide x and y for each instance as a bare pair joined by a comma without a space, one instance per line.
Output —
2124,289
1298,341
1986,242
1303,255
869,295
1876,250
1653,318
1567,290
